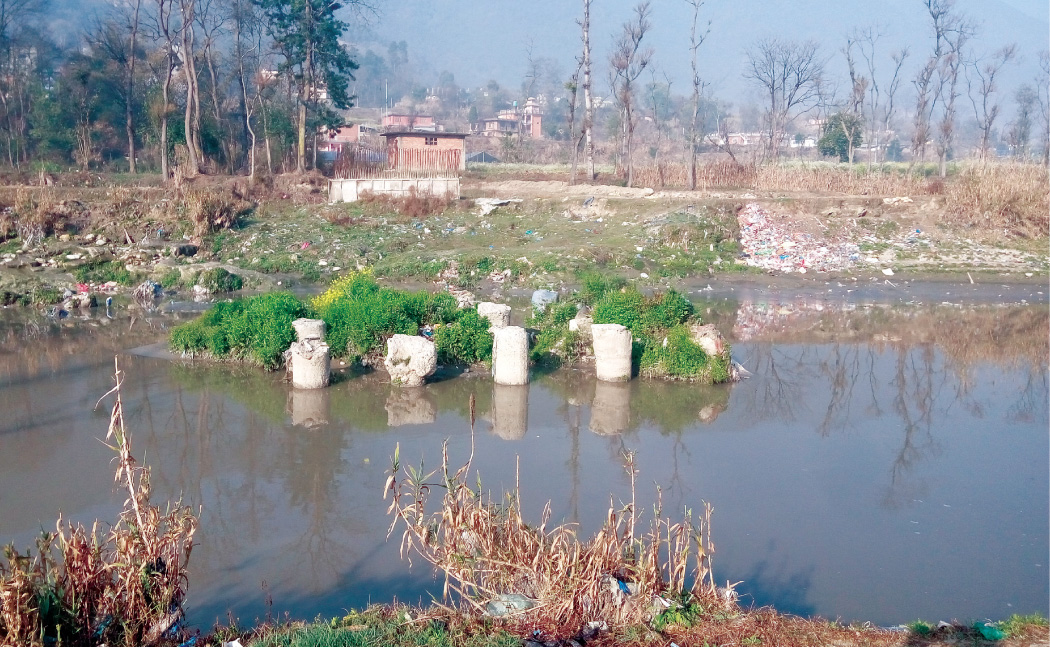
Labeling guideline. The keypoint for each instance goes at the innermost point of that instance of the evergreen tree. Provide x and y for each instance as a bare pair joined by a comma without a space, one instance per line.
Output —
306,33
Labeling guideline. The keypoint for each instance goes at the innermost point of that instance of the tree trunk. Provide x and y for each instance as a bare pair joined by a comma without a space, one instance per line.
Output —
301,149
588,105
129,103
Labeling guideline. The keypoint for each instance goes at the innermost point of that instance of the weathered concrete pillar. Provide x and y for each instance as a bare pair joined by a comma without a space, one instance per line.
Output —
612,352
309,329
510,355
611,408
311,364
510,411
498,314
309,408
409,407
410,359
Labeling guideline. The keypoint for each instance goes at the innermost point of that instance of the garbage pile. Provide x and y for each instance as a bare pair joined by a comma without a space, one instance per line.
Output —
770,242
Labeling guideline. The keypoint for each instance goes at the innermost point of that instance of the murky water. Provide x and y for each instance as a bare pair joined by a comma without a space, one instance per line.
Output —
883,463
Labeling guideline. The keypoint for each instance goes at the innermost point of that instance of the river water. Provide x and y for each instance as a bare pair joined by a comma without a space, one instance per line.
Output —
885,462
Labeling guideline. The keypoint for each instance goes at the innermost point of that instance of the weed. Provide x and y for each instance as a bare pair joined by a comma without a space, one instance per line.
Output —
919,627
171,279
486,550
1018,625
594,285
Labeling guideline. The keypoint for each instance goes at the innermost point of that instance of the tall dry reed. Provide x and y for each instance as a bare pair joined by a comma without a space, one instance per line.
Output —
121,585
487,551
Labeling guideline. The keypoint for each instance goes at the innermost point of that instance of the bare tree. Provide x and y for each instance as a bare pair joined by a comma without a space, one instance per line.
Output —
191,115
937,79
880,115
790,74
246,34
952,65
1020,134
572,87
588,102
165,32
627,62
696,39
213,27
855,103
1043,83
981,85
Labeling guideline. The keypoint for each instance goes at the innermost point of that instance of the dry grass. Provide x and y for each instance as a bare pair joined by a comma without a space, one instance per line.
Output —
488,551
119,586
414,205
1002,197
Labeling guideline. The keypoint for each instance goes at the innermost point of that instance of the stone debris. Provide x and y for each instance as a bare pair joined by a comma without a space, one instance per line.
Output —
488,205
498,314
769,241
410,359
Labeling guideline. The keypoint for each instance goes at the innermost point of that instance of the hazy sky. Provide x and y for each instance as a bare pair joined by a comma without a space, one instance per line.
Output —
478,40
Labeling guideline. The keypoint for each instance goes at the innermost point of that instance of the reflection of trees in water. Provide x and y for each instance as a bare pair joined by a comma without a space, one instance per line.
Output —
783,371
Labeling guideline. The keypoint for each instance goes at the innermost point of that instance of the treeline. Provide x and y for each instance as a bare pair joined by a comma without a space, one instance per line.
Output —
173,86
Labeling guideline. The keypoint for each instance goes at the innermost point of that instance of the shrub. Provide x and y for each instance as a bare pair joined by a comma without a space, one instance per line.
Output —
666,310
467,339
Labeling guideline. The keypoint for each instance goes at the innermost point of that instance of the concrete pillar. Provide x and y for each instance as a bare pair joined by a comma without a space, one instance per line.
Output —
309,408
311,364
309,329
611,408
498,314
510,355
510,411
612,352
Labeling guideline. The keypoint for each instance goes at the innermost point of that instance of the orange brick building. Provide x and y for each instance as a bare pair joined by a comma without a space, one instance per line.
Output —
426,151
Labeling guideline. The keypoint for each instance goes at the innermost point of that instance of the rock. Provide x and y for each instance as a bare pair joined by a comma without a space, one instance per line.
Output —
310,364
510,355
498,314
309,329
184,250
612,352
708,338
582,323
543,298
410,359
100,241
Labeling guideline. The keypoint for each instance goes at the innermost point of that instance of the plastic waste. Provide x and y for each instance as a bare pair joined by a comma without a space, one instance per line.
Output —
543,298
989,631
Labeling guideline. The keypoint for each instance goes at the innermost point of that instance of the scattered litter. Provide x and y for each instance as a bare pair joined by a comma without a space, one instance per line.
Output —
543,298
898,200
769,242
488,205
888,272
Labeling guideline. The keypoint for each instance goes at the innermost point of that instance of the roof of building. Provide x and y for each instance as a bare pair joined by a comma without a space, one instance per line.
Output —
424,133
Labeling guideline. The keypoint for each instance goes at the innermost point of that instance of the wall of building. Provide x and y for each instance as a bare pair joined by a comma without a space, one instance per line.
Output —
351,190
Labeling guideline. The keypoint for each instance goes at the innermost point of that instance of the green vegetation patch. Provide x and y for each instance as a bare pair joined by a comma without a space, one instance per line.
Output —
465,340
678,356
104,272
361,315
258,329
220,280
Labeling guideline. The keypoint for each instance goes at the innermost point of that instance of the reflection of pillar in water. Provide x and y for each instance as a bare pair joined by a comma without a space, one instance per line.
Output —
409,406
611,409
309,407
510,411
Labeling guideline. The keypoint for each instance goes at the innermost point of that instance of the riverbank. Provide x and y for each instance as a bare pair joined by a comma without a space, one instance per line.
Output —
397,626
116,232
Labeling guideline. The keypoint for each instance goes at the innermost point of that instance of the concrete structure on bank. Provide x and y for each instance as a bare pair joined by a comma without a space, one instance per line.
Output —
510,355
612,352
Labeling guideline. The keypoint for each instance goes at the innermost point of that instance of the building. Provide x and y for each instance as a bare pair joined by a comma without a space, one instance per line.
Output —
524,121
408,122
426,151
